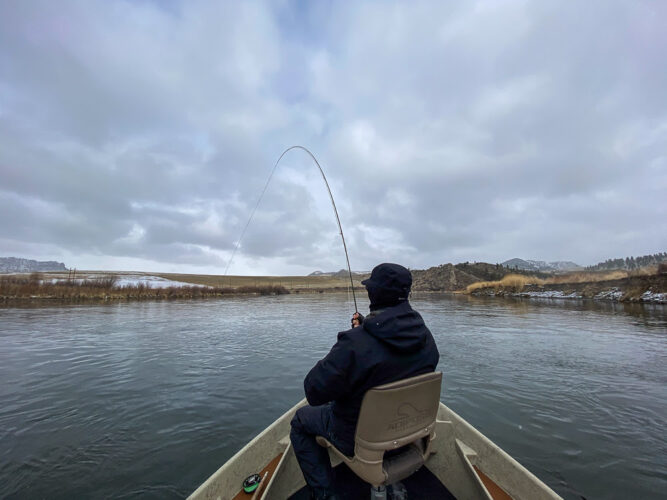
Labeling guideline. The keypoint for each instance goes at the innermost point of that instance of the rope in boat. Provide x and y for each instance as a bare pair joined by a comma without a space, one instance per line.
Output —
333,204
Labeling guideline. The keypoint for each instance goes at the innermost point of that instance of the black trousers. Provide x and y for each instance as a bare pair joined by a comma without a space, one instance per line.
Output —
309,422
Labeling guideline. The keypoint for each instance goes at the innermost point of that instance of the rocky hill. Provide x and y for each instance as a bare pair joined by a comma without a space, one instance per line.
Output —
449,277
493,272
443,278
16,265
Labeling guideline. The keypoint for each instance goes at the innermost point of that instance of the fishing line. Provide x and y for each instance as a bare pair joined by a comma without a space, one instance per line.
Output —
333,204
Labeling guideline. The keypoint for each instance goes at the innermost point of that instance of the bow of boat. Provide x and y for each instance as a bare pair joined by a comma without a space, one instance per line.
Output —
465,465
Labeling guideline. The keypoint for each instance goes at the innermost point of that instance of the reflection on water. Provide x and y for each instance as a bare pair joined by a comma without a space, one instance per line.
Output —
148,399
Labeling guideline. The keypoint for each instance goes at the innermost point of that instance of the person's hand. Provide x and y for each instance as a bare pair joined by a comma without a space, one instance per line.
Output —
357,319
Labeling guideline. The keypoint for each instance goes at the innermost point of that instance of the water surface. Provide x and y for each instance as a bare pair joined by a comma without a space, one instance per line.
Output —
150,398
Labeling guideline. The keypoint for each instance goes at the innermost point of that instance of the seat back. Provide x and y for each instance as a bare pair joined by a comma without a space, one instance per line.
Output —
395,414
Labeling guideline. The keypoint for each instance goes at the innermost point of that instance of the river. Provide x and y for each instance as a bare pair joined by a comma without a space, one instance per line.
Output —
147,399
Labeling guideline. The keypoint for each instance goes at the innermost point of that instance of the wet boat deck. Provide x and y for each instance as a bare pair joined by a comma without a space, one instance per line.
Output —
348,486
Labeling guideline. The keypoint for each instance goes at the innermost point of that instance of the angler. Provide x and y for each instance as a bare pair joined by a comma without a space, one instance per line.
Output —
392,343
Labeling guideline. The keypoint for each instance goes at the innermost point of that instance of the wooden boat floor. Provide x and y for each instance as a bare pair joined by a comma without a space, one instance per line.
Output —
348,486
270,468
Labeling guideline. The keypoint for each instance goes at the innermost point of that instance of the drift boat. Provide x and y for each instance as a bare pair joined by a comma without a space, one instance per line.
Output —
464,464
404,433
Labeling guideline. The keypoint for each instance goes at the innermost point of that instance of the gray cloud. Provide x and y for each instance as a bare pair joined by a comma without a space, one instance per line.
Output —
142,133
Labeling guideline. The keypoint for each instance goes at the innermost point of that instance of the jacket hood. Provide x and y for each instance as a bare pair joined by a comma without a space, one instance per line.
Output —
400,327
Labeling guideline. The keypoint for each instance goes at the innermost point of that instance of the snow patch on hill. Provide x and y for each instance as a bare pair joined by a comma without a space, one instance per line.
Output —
542,266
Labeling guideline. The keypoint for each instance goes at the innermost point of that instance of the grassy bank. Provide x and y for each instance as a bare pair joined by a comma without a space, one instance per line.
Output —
618,285
36,286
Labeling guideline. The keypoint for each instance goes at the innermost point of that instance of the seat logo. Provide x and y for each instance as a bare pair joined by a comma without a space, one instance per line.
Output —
408,416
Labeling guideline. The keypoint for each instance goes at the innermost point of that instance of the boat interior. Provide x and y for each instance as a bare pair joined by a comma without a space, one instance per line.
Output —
347,485
407,442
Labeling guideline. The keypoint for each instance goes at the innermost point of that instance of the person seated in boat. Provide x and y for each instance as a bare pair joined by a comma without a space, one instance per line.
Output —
391,343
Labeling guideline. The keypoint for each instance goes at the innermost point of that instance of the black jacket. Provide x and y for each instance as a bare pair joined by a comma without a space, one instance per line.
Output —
392,345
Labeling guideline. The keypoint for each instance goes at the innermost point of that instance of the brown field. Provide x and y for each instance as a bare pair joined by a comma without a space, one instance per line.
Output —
103,285
293,283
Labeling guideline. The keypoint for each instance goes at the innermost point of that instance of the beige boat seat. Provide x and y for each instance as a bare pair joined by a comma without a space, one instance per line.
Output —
395,428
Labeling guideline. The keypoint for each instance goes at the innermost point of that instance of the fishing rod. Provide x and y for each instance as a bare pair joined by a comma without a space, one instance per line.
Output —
333,204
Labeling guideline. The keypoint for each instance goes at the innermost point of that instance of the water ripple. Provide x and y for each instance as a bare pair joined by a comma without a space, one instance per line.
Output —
148,399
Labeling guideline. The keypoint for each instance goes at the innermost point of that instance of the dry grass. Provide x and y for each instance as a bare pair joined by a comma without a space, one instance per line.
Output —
289,282
595,276
587,277
104,288
514,282
102,285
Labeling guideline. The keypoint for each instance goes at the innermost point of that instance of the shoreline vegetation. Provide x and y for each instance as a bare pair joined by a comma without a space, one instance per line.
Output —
107,288
646,285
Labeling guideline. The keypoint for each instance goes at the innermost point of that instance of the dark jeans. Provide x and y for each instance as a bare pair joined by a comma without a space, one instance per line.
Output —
308,422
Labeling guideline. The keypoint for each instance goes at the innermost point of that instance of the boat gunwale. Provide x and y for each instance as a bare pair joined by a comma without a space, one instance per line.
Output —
485,451
219,473
504,455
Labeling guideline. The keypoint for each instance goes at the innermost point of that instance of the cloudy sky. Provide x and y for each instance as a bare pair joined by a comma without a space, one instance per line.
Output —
138,135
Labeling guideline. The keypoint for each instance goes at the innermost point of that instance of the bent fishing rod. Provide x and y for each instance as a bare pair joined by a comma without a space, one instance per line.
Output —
333,204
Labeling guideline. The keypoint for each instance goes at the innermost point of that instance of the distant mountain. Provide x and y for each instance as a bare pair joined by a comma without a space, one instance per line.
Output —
541,266
338,274
16,265
565,265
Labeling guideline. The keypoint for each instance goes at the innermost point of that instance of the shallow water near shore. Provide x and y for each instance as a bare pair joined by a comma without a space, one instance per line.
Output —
147,399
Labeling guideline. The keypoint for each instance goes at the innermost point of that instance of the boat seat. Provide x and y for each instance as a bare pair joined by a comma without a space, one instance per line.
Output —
395,428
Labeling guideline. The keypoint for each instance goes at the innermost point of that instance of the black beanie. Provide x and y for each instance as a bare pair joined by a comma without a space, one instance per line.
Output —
388,285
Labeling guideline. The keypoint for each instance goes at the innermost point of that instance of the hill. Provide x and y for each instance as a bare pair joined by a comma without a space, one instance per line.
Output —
443,278
16,265
450,277
492,272
541,266
630,263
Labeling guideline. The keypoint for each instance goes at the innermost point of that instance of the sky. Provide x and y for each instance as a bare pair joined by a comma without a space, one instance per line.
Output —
138,135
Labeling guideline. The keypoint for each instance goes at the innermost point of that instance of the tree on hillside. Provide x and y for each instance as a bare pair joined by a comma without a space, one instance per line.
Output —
629,263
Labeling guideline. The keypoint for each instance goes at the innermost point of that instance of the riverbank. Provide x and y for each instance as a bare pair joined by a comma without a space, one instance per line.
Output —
647,289
111,287
96,286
